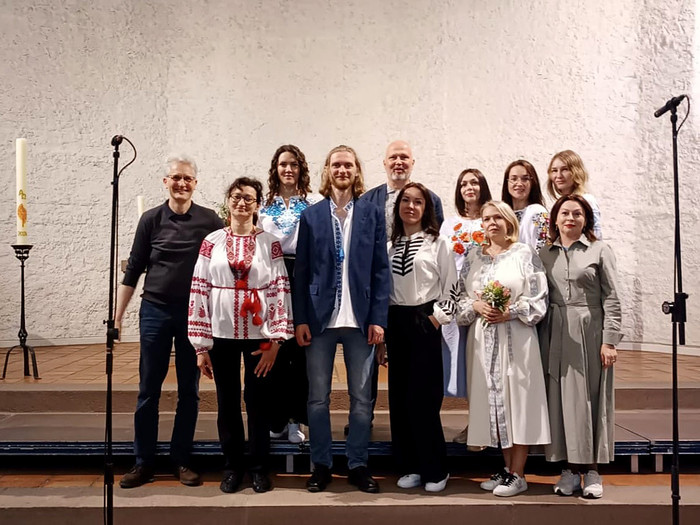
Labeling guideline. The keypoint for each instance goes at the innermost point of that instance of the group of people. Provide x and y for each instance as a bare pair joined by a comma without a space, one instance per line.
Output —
507,304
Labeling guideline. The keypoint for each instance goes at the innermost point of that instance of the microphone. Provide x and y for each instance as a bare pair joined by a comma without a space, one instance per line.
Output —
671,104
117,140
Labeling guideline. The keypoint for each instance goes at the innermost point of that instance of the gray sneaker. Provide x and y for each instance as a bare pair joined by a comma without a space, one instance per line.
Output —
592,485
495,480
568,483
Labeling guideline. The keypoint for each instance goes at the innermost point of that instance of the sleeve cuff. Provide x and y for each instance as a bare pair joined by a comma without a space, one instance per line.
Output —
611,337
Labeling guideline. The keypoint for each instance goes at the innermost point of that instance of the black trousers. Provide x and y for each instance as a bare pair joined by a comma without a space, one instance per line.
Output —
290,384
226,363
415,392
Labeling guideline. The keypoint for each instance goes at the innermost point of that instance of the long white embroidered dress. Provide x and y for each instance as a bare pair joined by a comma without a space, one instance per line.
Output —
505,378
464,235
234,272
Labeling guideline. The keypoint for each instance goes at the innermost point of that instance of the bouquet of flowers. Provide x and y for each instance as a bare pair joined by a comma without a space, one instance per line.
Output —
496,296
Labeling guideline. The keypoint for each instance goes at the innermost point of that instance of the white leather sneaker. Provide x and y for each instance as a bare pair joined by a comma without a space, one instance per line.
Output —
409,481
511,486
438,486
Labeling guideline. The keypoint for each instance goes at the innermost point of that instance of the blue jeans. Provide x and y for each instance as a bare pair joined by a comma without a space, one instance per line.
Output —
159,325
359,357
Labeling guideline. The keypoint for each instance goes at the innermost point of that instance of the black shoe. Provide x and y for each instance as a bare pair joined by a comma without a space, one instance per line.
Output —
319,480
137,476
188,477
230,482
261,482
359,476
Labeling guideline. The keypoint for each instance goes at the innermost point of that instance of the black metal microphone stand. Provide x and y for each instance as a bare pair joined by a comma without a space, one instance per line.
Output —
677,309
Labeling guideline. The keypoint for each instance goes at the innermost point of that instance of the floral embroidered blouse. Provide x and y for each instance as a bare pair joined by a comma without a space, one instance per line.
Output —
464,235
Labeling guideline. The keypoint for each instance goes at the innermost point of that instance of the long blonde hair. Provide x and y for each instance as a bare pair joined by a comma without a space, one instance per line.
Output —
358,188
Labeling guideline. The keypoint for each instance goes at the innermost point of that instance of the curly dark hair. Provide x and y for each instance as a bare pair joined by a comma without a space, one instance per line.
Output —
273,180
428,221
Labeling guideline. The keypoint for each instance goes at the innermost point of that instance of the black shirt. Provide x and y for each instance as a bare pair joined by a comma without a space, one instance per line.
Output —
167,244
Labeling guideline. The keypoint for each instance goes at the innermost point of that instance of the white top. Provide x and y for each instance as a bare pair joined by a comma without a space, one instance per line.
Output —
464,234
233,270
422,270
343,315
282,221
597,226
534,225
391,195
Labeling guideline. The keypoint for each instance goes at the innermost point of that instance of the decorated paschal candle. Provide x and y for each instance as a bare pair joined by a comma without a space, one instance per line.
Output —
21,162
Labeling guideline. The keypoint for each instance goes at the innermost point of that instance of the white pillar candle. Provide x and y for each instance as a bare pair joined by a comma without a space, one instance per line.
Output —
140,204
21,210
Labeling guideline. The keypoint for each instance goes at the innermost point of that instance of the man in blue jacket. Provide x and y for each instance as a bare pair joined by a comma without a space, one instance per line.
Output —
341,288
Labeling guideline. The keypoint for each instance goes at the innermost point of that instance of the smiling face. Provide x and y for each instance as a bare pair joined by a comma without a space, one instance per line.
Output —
470,189
398,164
242,204
342,170
571,219
180,182
411,208
561,177
519,184
288,170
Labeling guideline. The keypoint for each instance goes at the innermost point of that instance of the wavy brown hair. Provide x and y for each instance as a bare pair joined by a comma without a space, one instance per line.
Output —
587,212
484,191
535,195
357,189
273,180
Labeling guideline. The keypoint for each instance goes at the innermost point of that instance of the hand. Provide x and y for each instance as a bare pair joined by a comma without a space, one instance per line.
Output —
375,334
608,355
303,335
267,359
434,321
204,364
490,314
380,354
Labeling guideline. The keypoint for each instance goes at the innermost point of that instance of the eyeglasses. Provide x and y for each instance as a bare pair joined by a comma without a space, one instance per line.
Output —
524,179
179,178
245,198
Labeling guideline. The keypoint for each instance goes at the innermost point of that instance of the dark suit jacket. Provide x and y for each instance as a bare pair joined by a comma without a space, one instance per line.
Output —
368,272
378,197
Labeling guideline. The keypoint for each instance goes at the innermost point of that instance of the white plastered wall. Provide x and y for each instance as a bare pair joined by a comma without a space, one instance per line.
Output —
468,83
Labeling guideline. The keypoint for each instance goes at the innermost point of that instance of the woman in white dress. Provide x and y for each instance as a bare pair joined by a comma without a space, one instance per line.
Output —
424,289
567,176
507,400
289,194
465,233
521,191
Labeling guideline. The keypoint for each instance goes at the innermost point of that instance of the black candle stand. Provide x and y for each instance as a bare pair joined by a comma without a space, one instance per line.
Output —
22,253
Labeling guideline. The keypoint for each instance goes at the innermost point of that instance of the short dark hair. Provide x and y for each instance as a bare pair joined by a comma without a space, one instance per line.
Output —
484,191
251,183
273,180
428,221
587,211
535,195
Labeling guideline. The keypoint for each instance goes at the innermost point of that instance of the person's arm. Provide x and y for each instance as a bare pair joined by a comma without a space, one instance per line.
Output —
136,265
124,295
301,283
612,312
380,283
199,310
465,311
445,308
532,305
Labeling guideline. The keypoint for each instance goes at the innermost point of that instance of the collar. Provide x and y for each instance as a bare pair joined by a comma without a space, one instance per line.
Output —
169,213
347,207
583,240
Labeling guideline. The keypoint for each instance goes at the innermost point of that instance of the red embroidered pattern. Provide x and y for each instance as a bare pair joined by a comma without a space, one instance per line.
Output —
206,249
276,250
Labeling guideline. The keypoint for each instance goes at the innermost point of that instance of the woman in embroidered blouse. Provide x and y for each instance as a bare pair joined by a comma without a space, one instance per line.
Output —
424,289
289,193
507,401
578,346
240,303
521,191
567,176
465,232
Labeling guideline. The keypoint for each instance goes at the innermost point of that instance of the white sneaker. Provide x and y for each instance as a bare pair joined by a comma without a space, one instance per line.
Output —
495,480
461,438
294,433
438,486
409,481
278,435
592,485
568,483
511,486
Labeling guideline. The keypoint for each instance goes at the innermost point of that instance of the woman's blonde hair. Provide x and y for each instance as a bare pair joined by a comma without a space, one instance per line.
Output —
513,230
578,172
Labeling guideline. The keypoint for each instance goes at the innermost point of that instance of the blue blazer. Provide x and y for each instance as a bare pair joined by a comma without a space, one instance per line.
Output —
368,271
378,197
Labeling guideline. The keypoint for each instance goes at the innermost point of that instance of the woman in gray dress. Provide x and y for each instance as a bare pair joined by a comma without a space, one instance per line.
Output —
578,343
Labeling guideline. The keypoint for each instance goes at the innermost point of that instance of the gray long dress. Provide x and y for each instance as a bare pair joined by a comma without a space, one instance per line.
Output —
584,313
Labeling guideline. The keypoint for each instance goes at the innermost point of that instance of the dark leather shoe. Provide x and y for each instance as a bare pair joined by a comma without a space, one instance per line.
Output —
230,482
188,477
319,480
137,476
359,476
261,482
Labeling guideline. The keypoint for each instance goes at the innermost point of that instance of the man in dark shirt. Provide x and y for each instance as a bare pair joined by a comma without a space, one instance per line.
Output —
166,245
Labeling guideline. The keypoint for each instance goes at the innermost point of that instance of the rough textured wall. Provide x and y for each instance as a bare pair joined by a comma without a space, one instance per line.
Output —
468,83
